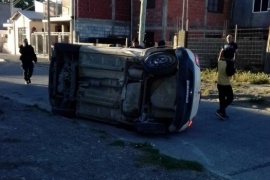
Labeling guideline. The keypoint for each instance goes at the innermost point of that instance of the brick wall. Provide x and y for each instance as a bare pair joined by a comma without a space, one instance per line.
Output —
196,14
96,19
102,9
122,10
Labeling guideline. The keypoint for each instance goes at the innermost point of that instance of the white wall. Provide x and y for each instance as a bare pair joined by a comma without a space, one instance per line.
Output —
21,22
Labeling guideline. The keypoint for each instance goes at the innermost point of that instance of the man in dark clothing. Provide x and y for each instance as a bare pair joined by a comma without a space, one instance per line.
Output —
27,57
225,92
161,43
135,44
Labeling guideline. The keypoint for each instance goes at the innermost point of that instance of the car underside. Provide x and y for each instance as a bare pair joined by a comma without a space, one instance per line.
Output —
152,90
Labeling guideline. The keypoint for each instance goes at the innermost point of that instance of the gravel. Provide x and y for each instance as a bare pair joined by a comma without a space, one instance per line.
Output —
35,144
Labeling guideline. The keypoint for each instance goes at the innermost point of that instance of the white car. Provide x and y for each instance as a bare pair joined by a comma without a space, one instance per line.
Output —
155,90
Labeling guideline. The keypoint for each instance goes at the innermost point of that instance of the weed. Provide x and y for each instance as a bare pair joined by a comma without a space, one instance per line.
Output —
118,143
210,75
205,92
153,156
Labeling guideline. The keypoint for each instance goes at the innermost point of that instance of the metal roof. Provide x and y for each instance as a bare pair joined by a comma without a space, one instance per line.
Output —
32,15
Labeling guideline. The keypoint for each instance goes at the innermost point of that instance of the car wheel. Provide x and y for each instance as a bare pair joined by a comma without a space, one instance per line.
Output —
160,63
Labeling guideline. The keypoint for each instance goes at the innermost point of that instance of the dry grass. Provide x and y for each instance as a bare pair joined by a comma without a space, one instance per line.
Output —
250,88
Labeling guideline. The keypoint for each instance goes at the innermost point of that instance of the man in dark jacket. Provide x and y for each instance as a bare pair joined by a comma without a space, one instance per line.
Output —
27,57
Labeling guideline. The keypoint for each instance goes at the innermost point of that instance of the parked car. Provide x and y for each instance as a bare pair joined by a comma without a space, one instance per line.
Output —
154,90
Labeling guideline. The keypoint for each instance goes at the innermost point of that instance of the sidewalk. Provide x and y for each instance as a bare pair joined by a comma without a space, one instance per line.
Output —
11,57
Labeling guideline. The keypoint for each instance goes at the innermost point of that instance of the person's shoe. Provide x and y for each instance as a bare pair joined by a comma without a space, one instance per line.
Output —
26,82
29,81
221,115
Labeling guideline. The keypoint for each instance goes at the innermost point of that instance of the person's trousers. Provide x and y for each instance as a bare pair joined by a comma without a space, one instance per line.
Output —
225,95
27,71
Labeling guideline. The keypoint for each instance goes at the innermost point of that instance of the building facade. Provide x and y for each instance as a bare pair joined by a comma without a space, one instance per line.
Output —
164,18
251,13
102,18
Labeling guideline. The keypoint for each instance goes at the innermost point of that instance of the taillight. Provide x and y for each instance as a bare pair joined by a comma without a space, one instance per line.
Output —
197,60
190,123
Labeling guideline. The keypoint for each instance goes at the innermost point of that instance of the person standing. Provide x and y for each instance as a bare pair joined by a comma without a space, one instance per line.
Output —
135,44
225,92
27,57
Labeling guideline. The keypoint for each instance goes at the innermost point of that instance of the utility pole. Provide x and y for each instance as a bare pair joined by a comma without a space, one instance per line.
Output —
142,21
183,14
72,15
11,8
49,29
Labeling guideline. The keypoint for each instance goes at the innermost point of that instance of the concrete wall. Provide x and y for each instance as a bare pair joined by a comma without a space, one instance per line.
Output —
101,28
244,17
4,14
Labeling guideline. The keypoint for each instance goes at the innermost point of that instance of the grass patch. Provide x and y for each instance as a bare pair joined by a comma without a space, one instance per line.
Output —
252,78
210,75
118,143
152,156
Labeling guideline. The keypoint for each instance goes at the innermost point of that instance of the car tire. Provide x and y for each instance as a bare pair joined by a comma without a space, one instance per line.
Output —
160,63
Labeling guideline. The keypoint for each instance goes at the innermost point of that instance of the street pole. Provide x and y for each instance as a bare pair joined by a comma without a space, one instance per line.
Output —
183,14
71,12
142,21
11,7
49,29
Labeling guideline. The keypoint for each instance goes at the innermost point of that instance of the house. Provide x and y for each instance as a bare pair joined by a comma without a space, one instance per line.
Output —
70,21
102,18
164,18
20,25
251,13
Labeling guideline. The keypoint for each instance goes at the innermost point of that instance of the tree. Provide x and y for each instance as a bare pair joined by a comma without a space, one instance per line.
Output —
23,4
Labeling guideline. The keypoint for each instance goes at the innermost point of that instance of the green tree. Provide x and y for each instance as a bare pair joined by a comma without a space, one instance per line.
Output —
23,4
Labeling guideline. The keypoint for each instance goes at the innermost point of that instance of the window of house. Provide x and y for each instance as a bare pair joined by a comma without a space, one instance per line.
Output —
215,6
150,4
21,34
260,5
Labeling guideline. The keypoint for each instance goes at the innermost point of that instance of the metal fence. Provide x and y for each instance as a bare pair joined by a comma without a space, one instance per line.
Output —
39,40
251,46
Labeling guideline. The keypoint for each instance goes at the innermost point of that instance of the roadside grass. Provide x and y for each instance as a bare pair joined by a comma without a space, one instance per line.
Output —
240,78
249,87
152,156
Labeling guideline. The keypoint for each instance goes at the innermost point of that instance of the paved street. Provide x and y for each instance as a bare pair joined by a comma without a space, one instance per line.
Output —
236,149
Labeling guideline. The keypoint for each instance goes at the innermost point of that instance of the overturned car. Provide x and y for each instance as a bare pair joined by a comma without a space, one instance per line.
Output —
155,90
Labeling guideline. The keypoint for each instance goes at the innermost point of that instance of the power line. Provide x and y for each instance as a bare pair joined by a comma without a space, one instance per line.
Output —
29,7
